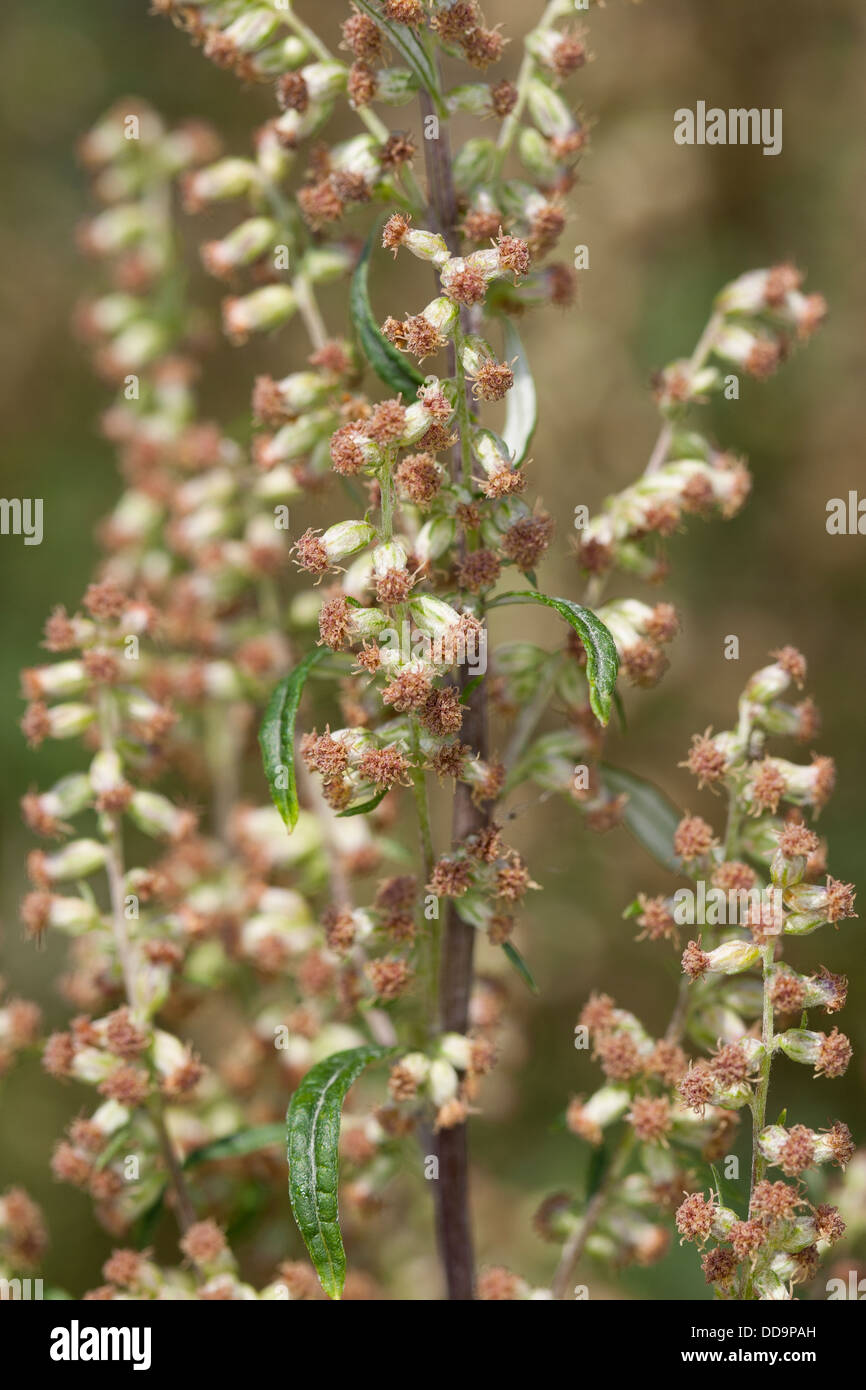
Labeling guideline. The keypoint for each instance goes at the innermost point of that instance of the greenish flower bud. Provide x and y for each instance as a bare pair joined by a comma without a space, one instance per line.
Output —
345,538
732,957
277,58
389,556
154,814
69,720
395,86
472,97
246,243
252,29
550,113
535,154
258,312
435,538
323,264
106,772
456,1049
218,182
443,1081
78,859
473,163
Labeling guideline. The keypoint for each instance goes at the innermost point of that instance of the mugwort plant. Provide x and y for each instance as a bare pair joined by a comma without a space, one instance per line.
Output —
325,944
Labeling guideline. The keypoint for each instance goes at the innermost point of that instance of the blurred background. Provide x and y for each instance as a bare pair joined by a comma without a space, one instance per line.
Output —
666,226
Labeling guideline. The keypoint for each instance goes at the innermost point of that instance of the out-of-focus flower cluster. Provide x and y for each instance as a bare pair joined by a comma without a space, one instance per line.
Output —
755,322
763,881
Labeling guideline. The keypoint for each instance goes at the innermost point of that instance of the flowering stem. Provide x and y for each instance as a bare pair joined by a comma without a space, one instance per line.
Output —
114,865
386,492
185,1209
759,1104
308,308
703,348
453,1223
116,873
576,1243
511,124
430,929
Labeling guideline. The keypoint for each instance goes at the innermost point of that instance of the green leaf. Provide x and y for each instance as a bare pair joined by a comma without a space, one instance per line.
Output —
521,412
387,362
277,738
243,1141
648,813
313,1124
114,1146
599,1160
411,49
728,1195
366,807
520,965
146,1226
602,660
469,687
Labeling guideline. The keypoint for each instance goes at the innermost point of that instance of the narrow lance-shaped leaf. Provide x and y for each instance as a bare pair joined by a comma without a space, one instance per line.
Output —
387,362
520,966
243,1141
366,807
313,1126
648,813
602,659
521,405
277,738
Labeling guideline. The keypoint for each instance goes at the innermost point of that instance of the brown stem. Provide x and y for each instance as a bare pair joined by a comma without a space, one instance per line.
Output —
185,1210
442,198
453,1221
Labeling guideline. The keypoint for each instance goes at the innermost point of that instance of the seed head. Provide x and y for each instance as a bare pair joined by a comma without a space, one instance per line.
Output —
693,838
695,1217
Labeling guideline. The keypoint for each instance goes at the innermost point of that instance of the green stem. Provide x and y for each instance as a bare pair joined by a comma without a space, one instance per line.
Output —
555,10
759,1104
759,1101
703,348
576,1243
429,929
308,308
464,418
386,492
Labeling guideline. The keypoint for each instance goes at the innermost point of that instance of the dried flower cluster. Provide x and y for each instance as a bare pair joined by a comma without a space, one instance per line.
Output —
180,882
763,881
